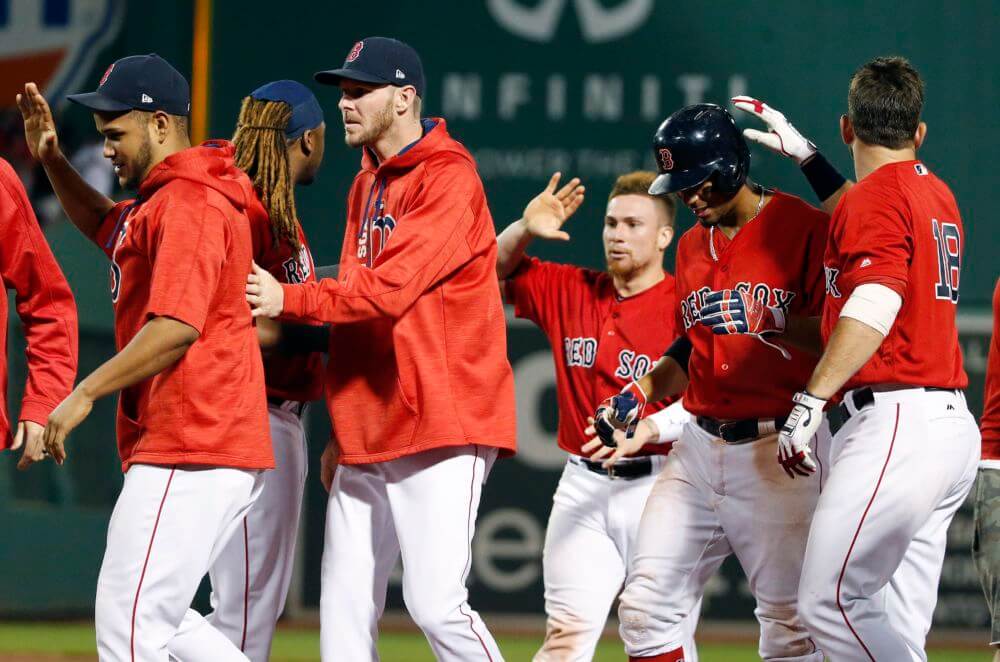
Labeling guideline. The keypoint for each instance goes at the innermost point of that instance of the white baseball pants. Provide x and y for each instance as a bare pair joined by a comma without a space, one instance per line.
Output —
167,528
251,576
713,499
422,507
589,546
900,468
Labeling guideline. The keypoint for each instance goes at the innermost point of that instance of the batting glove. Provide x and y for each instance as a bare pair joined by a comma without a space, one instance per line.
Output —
620,412
728,312
794,453
781,136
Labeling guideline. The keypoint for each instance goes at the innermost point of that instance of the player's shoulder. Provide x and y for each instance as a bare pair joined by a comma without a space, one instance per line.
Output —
797,211
533,267
7,172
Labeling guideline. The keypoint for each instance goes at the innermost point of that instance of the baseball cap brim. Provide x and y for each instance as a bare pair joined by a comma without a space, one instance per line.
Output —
98,102
677,181
334,76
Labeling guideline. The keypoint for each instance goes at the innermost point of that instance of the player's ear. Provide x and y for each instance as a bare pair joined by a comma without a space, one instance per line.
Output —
920,135
846,130
307,142
664,237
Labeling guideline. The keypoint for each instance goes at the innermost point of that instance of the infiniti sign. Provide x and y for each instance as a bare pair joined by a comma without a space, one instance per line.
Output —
598,24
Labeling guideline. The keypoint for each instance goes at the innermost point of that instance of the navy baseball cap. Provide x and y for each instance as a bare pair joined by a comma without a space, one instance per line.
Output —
139,82
306,111
379,60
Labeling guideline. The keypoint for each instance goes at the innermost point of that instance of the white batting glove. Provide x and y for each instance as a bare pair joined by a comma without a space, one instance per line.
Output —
781,136
794,453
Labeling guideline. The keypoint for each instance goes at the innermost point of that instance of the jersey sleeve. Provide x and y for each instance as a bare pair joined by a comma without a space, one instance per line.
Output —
107,231
187,248
431,240
534,288
44,302
875,240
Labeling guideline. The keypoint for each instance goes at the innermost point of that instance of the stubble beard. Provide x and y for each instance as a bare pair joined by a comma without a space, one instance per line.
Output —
380,124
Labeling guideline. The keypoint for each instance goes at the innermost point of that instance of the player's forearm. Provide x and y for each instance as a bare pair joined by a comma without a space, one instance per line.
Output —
666,379
511,244
803,333
160,343
850,346
84,205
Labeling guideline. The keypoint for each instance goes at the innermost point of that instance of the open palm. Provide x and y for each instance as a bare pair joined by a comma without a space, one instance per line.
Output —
39,127
547,211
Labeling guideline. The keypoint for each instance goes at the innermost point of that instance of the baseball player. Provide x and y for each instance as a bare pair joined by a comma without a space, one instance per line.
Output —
904,446
46,308
747,270
986,543
605,327
279,143
192,421
418,385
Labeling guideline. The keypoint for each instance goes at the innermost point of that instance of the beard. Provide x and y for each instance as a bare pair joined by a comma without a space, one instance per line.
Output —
380,124
139,166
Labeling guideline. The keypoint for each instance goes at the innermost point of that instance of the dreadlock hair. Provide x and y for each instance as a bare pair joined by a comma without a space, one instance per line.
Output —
262,153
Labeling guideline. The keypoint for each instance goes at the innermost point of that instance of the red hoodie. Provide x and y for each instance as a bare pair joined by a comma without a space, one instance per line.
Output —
182,250
418,347
44,304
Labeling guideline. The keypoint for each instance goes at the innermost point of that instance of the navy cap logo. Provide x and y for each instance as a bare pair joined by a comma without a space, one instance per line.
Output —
355,52
666,159
107,73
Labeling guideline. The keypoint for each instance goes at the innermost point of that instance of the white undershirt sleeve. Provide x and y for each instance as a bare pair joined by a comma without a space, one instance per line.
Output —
670,421
873,305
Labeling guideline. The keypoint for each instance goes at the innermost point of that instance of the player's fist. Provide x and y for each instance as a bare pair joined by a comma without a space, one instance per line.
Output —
264,293
781,136
39,127
547,211
794,453
728,312
30,435
620,412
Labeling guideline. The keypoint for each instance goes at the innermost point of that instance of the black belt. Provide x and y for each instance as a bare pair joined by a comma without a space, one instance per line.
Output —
292,406
838,416
742,431
637,468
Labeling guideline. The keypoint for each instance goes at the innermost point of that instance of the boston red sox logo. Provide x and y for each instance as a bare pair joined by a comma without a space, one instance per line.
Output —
666,159
107,73
355,52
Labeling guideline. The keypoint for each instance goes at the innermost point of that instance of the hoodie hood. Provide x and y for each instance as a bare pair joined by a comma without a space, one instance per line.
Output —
435,142
209,164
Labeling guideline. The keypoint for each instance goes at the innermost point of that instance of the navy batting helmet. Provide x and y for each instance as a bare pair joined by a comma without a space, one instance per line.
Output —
695,143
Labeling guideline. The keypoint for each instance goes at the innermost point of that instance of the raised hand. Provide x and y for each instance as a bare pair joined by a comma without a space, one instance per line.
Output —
547,211
781,136
39,127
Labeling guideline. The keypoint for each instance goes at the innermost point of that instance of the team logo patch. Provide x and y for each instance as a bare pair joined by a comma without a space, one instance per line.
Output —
355,52
920,169
666,159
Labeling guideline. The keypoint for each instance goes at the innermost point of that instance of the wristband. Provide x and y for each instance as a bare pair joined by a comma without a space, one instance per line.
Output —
670,422
824,179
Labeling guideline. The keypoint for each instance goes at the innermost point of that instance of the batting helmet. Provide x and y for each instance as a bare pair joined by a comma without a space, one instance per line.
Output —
695,143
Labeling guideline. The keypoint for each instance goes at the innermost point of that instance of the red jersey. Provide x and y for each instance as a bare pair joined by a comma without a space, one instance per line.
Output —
418,346
44,304
600,341
182,250
778,257
296,377
900,227
990,423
